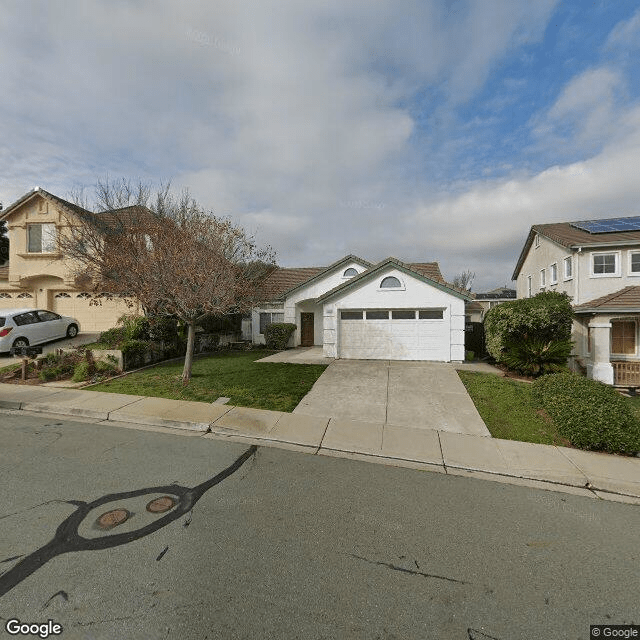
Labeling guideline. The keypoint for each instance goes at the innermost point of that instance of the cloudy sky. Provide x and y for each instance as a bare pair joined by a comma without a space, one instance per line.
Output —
423,129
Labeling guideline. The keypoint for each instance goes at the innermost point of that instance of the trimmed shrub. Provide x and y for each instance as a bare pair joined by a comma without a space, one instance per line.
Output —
547,316
278,334
135,327
163,328
112,337
590,414
533,356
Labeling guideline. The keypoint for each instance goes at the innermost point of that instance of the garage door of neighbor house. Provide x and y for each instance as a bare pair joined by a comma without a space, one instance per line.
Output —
16,300
394,334
91,317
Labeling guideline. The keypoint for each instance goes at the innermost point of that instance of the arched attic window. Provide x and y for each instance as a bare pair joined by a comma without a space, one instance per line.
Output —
349,273
390,282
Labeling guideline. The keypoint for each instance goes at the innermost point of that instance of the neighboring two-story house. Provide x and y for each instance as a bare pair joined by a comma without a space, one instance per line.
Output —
38,275
597,263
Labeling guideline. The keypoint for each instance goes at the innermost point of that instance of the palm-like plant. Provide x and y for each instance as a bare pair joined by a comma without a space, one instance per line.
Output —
535,356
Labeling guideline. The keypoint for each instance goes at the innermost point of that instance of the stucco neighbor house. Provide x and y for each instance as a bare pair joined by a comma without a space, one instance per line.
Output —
355,309
597,263
38,275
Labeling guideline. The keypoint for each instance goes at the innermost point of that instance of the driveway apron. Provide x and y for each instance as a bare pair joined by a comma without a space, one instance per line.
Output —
423,395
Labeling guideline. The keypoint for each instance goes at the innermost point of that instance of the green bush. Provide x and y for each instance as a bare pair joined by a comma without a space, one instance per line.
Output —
82,372
277,335
591,415
547,316
163,328
135,327
533,356
48,373
134,348
469,355
112,337
228,323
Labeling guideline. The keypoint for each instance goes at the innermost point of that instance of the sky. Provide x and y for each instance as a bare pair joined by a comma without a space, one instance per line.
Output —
420,129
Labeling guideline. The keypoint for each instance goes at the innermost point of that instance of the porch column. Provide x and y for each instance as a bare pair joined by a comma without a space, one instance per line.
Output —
601,369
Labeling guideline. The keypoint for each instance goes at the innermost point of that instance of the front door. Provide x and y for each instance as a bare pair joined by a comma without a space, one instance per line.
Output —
306,329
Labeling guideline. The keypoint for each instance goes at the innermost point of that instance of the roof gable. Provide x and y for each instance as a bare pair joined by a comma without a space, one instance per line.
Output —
41,193
315,273
375,270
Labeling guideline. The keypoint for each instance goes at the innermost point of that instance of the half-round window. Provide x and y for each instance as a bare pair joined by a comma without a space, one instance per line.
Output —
349,273
25,295
62,295
390,283
5,295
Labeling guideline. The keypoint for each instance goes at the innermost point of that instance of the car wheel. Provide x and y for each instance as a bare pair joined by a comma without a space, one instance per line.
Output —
72,331
21,342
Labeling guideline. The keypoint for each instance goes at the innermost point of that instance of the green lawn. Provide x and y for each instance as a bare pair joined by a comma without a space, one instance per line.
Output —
508,409
264,385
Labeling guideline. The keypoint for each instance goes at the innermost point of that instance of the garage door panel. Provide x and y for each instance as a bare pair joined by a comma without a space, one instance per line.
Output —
91,317
395,339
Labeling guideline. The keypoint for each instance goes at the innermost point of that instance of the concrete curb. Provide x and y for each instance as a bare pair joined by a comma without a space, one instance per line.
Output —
548,467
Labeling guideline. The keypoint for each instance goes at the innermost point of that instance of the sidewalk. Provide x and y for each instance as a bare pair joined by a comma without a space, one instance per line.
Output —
543,466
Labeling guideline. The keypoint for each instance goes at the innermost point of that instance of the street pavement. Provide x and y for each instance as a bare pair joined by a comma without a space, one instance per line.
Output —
595,475
268,543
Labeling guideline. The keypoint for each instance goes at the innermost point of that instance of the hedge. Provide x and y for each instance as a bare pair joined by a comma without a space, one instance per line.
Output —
547,316
278,334
590,414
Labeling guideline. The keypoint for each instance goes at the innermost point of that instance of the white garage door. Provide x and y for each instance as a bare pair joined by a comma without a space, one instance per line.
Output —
394,334
91,317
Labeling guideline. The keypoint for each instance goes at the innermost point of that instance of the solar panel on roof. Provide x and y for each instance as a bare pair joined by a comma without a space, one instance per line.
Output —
608,226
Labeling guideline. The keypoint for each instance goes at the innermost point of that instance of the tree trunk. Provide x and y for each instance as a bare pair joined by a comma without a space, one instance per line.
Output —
188,358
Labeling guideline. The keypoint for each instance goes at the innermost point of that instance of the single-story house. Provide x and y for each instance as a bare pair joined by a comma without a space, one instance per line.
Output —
356,309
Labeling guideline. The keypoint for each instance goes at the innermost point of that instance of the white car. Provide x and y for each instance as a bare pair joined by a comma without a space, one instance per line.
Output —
28,327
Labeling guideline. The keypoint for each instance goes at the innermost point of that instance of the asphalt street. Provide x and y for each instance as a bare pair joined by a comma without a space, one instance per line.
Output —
207,539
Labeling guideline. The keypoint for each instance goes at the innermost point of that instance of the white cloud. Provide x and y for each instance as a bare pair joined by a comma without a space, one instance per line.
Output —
626,34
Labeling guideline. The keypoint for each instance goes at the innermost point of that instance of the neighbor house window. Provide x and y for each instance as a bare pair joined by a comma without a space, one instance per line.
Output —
349,273
568,268
605,264
553,274
536,241
634,263
41,238
390,283
529,286
269,318
543,278
623,337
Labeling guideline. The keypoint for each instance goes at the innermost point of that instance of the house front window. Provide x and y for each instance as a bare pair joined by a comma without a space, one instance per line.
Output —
41,238
543,279
605,264
529,287
634,263
553,274
267,318
623,337
568,268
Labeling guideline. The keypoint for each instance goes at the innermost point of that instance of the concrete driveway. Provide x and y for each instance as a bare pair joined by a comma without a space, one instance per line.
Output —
65,343
426,395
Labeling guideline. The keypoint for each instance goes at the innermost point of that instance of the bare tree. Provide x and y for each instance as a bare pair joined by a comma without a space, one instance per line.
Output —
169,254
464,280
